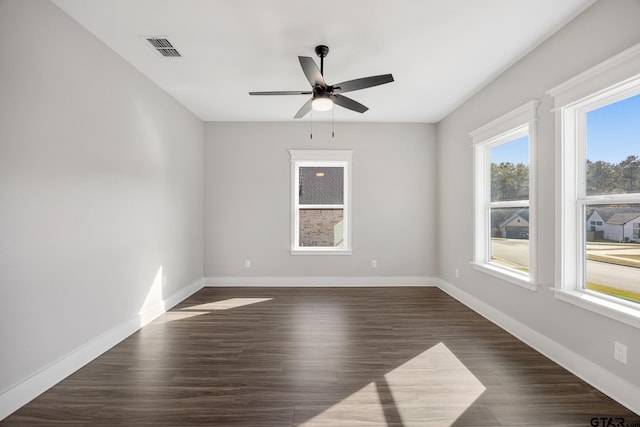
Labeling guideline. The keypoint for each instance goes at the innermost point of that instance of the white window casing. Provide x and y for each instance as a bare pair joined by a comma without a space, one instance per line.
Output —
321,158
511,126
608,82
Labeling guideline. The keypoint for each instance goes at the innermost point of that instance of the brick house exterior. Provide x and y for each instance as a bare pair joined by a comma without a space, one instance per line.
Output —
322,226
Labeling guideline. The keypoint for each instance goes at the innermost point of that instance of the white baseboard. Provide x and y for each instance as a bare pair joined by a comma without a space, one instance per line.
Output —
320,282
22,393
615,387
183,294
151,313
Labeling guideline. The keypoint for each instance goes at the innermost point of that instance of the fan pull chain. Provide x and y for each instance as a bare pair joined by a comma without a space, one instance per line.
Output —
311,125
333,126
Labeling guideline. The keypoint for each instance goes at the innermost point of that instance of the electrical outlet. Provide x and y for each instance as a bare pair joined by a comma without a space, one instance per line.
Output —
620,352
374,263
247,263
457,273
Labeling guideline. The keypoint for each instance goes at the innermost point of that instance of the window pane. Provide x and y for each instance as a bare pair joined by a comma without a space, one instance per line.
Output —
322,227
321,185
613,148
613,250
510,238
510,170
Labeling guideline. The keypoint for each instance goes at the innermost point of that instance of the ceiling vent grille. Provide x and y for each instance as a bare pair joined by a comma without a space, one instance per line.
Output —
163,46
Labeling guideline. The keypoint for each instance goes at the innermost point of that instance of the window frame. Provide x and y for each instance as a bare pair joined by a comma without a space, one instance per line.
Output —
509,127
320,158
608,82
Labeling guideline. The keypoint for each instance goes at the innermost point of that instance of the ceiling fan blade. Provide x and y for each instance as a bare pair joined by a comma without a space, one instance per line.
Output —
304,109
312,71
362,83
281,92
349,103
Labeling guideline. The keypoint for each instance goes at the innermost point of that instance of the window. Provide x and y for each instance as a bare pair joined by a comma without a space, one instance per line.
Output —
321,211
598,128
504,202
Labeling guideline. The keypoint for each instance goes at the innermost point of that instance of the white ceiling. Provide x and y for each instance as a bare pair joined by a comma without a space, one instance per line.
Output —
440,52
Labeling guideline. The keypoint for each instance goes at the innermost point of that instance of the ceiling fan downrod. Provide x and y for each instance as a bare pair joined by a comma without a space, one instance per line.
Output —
322,51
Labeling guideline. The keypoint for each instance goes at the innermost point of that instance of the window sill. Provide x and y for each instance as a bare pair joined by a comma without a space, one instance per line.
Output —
504,274
320,251
605,307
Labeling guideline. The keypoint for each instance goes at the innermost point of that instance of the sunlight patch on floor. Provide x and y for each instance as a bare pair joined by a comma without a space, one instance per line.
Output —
432,389
227,304
200,309
361,408
171,316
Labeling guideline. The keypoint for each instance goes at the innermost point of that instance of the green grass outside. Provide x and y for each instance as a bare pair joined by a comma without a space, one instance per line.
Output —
631,257
630,260
625,260
619,293
507,263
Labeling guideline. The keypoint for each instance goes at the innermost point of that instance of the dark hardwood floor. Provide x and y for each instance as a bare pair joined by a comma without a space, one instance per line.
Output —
321,357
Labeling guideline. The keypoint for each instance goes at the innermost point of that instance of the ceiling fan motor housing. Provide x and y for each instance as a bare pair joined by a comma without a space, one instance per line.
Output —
322,50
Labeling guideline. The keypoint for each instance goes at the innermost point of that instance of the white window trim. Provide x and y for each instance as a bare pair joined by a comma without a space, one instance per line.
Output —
610,81
513,125
342,158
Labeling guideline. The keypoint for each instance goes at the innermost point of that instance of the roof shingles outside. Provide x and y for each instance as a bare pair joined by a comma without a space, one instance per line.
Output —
622,218
321,185
616,215
522,213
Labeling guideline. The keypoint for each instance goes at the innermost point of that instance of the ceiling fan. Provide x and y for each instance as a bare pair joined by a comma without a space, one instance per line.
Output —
323,95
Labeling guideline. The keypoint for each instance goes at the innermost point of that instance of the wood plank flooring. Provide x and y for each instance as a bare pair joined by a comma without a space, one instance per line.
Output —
320,357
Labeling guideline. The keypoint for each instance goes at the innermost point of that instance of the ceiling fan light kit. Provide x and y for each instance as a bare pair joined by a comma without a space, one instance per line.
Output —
323,95
322,102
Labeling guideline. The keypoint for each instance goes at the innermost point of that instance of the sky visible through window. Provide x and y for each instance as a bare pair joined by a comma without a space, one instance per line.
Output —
614,131
516,151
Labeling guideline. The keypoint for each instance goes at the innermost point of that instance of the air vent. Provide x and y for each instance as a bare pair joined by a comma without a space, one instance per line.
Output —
163,46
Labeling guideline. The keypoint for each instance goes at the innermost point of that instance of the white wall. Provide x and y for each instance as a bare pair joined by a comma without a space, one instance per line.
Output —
101,187
605,29
248,199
